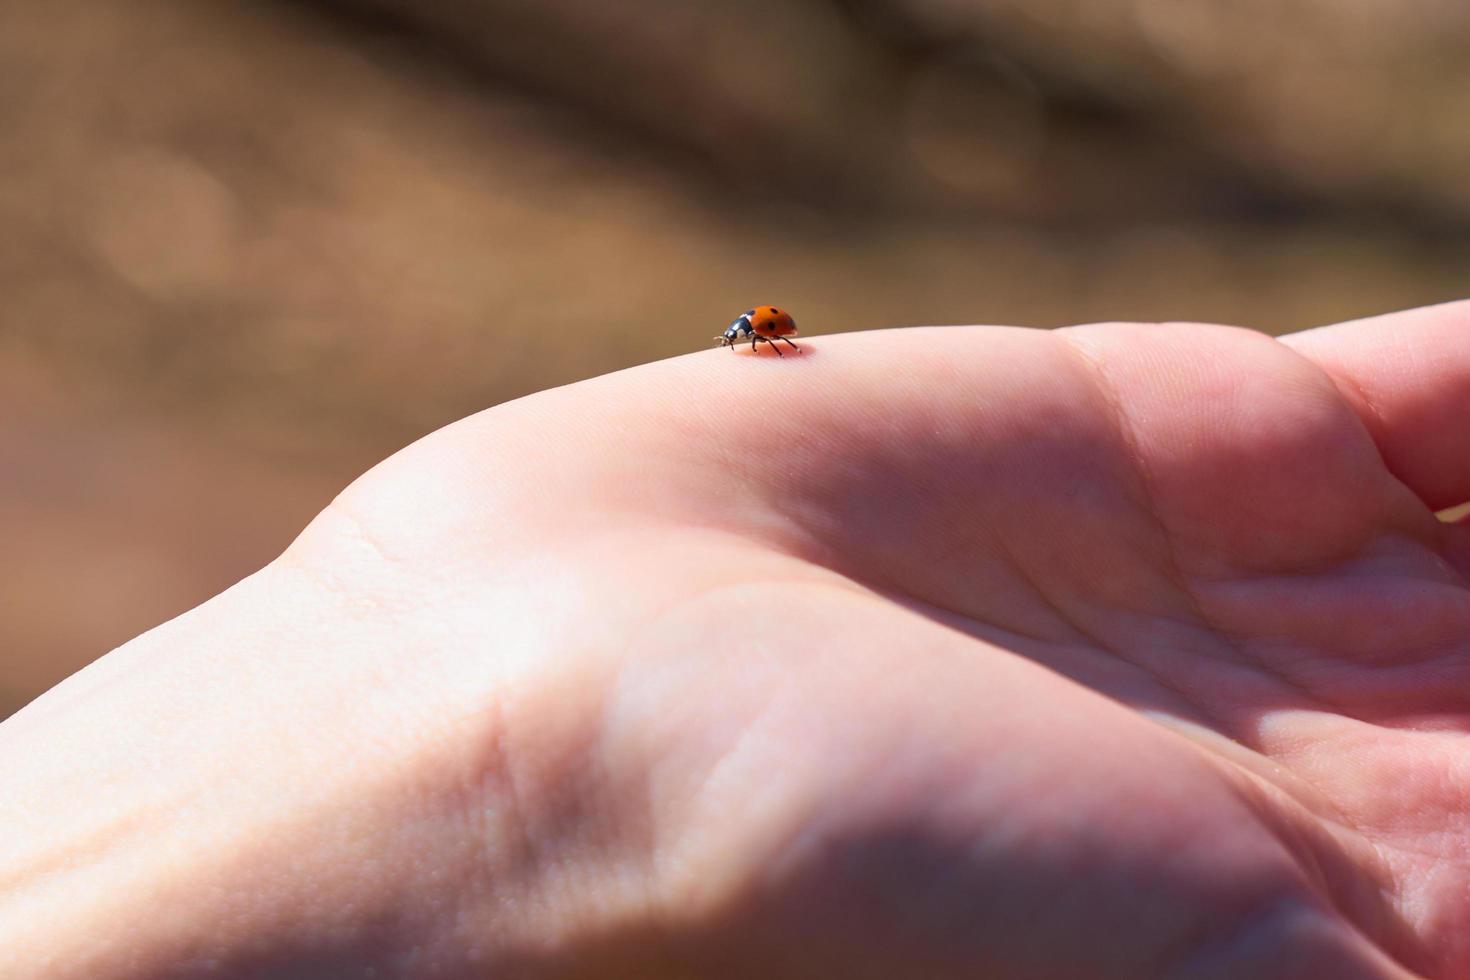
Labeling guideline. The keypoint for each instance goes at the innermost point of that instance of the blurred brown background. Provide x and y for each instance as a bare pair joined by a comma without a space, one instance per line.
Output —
249,248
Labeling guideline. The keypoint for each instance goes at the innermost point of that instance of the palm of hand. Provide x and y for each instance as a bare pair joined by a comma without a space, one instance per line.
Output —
1119,651
1116,650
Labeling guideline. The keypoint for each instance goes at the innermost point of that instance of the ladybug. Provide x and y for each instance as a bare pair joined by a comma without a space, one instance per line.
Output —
762,323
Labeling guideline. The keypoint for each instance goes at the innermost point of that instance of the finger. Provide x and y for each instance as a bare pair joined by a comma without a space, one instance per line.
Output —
911,460
1408,377
868,451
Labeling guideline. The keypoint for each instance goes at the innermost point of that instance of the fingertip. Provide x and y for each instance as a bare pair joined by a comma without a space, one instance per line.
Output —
1407,375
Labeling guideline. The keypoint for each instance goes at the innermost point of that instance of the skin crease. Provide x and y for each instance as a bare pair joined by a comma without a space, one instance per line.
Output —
1116,651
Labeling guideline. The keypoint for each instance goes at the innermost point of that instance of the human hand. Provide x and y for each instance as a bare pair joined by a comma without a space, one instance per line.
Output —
1111,651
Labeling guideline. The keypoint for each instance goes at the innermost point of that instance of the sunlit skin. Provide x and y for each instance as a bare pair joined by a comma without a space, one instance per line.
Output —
1114,651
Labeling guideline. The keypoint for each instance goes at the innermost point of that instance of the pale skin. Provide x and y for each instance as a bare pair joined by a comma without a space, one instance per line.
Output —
1116,651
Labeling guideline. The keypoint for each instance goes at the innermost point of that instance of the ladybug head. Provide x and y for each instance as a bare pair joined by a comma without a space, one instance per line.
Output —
738,328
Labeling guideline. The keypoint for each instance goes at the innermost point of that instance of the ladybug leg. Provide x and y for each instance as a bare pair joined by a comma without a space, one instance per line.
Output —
792,346
753,340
